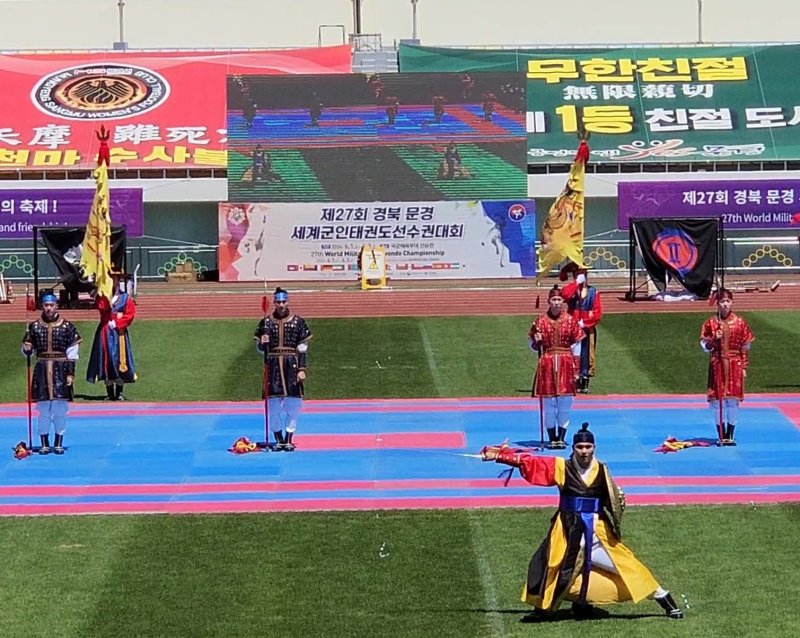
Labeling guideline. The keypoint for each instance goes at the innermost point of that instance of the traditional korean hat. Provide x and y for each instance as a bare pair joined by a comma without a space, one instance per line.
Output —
555,291
583,435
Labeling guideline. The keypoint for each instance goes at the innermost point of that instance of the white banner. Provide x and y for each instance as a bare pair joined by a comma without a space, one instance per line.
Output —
438,240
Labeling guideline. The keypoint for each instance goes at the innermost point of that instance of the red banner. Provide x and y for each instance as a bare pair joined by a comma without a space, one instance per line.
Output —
163,110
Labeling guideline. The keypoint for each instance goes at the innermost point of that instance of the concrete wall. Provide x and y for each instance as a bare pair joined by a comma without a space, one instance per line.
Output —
81,24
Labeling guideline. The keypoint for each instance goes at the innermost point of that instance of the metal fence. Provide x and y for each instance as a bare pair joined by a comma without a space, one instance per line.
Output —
608,257
156,262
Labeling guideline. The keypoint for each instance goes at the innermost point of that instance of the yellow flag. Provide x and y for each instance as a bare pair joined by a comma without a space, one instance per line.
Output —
562,234
96,254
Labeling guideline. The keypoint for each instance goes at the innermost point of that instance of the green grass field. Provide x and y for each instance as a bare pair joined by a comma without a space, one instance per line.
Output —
416,573
420,357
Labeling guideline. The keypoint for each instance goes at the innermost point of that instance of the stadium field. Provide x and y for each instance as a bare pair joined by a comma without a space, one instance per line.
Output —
382,572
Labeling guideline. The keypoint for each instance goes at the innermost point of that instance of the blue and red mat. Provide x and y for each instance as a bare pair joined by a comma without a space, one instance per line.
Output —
387,454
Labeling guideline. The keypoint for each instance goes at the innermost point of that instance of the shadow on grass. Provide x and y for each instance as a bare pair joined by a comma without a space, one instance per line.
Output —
561,615
566,614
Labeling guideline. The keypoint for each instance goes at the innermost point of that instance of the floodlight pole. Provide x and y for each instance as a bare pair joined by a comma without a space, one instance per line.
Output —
357,16
121,5
121,45
414,19
700,21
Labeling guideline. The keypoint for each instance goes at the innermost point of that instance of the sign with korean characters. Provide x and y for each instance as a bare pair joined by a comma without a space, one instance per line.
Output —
163,110
422,240
22,209
753,204
679,104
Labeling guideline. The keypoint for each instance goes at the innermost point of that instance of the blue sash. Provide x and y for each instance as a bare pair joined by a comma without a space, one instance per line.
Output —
587,508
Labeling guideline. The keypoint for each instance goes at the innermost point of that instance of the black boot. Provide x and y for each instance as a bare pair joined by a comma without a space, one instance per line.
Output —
562,433
729,430
668,605
45,448
552,439
586,385
289,447
280,441
118,392
112,395
58,447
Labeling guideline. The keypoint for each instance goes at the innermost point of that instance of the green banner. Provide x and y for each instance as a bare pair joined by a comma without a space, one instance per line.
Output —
664,104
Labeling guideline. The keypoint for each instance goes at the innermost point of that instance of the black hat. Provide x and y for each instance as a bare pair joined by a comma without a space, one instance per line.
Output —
583,435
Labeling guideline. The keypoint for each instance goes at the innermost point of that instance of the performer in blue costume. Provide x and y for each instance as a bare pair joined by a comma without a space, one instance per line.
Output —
111,360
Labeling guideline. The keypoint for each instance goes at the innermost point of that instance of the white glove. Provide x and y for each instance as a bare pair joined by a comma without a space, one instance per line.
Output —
581,324
112,324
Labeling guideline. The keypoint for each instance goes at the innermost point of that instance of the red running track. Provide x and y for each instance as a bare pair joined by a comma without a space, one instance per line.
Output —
402,303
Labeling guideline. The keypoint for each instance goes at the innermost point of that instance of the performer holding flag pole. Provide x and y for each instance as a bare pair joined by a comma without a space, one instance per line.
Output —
55,342
727,338
283,337
556,336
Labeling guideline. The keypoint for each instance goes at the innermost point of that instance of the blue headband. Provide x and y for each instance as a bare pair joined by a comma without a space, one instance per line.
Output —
281,296
49,297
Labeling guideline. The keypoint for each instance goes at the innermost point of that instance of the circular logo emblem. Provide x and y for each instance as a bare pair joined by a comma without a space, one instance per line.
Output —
100,92
676,249
517,212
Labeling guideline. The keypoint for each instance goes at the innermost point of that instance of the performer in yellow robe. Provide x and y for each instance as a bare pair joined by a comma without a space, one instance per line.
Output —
589,515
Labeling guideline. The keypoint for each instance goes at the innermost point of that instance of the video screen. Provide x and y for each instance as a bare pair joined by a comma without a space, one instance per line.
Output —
387,137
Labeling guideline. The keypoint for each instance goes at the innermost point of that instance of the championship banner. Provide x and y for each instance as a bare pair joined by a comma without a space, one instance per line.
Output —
164,110
654,104
423,240
754,204
681,249
22,209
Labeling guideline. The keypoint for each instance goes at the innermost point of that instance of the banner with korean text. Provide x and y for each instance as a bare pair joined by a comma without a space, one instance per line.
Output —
754,204
164,109
655,104
21,210
423,240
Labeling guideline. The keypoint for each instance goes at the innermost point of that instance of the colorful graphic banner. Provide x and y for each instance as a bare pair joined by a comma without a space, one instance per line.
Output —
21,210
658,104
164,110
440,240
681,249
742,204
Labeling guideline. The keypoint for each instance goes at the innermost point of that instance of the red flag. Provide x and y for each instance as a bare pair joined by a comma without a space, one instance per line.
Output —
264,304
30,302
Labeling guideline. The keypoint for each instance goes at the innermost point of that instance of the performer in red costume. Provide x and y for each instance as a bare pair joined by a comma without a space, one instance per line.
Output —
556,336
111,360
585,306
727,338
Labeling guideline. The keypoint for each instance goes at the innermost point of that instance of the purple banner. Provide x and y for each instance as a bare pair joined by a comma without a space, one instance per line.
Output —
742,204
21,210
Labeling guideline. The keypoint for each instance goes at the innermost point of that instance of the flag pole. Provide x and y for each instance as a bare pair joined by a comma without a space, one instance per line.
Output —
266,381
29,376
